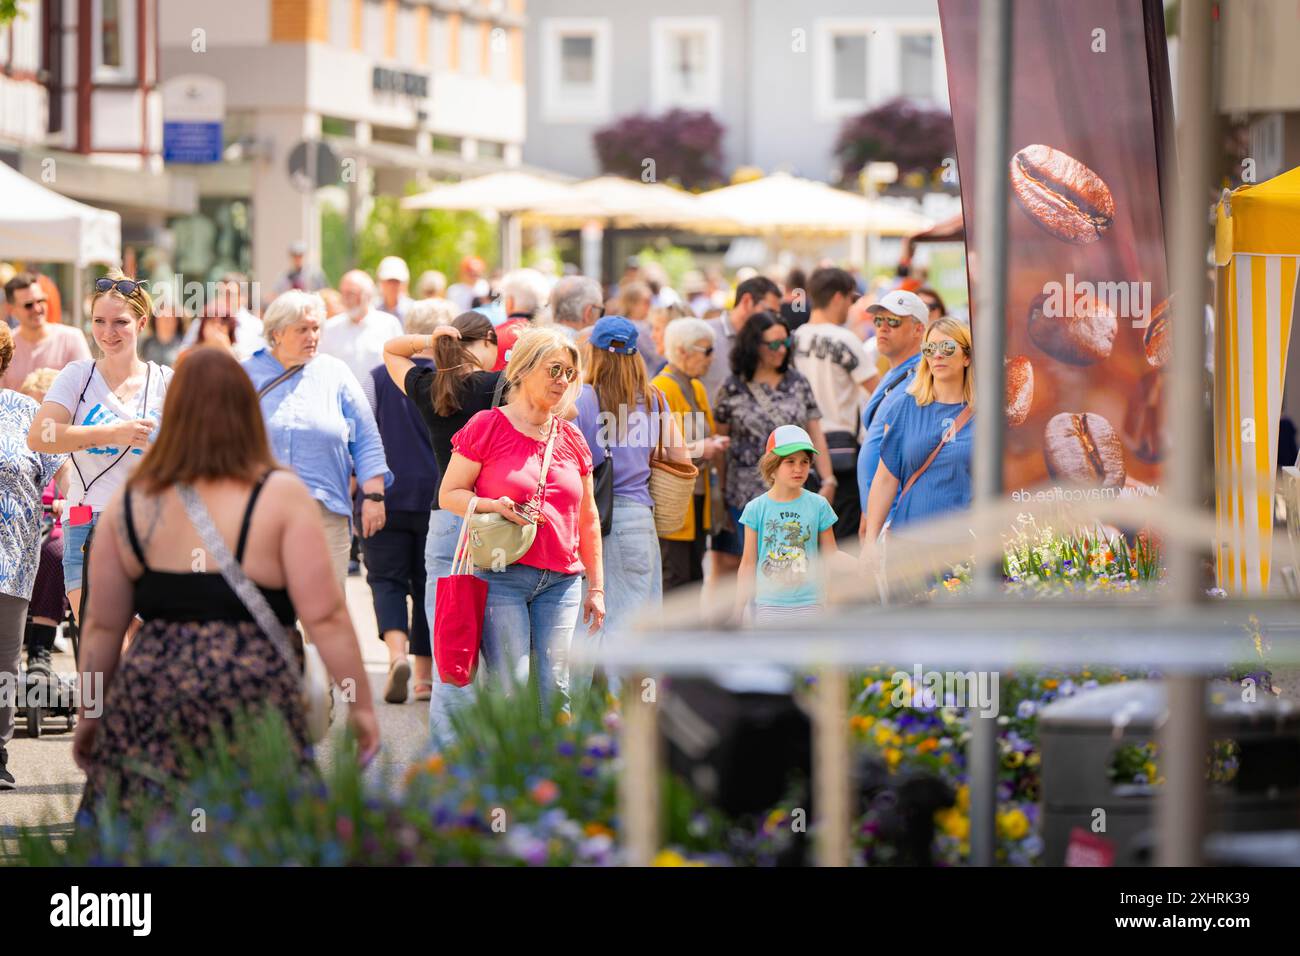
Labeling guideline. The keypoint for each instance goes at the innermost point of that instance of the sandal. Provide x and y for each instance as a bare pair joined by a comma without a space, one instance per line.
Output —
399,672
423,689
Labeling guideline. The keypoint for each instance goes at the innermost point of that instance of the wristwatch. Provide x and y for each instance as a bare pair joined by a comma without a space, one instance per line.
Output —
374,496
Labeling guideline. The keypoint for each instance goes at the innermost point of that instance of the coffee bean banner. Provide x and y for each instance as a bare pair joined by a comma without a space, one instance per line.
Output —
1087,300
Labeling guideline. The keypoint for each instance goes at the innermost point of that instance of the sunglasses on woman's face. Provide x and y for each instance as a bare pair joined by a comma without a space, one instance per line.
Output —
124,286
777,345
568,371
947,348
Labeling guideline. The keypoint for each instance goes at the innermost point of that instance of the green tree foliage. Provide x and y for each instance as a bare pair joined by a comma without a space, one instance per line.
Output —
8,11
425,238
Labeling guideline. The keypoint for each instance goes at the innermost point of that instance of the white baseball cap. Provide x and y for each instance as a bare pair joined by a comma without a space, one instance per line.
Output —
393,267
902,303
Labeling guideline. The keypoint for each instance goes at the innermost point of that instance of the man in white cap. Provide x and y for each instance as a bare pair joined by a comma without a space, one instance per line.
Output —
300,275
900,319
394,278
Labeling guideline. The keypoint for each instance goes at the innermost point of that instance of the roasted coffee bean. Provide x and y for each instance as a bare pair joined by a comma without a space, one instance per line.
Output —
1083,448
1083,338
1156,338
1061,194
1020,389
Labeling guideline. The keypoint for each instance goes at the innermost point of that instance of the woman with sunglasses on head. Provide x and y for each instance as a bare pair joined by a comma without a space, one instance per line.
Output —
762,394
525,462
444,376
104,412
925,455
690,344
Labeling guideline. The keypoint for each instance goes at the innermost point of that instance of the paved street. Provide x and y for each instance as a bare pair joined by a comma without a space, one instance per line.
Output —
49,783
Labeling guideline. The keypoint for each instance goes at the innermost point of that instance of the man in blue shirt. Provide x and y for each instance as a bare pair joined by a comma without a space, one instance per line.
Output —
900,329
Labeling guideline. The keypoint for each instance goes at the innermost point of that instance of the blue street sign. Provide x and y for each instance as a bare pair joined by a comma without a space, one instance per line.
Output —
192,142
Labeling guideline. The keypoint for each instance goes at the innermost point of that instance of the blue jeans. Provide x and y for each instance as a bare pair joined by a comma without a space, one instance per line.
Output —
74,562
633,584
527,628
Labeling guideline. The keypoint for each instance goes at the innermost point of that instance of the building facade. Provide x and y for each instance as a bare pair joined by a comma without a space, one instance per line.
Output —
399,89
80,112
781,77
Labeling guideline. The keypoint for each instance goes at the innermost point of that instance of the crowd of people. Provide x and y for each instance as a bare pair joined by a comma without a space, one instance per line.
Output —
810,416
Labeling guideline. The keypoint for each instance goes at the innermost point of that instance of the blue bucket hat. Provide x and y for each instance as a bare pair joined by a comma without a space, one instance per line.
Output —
614,333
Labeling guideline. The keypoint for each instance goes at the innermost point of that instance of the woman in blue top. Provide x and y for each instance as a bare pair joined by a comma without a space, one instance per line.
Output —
942,388
617,414
319,422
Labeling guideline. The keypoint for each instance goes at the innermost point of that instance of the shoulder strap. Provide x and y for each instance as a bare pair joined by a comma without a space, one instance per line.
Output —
949,434
248,517
499,392
128,516
279,380
546,464
247,592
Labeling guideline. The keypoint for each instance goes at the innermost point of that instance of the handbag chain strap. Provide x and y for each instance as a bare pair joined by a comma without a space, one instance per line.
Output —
247,592
540,496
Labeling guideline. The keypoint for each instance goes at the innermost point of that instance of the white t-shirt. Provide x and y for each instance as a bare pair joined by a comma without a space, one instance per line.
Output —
836,363
81,389
360,345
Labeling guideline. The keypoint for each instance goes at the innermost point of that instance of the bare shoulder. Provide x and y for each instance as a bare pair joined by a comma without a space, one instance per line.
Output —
286,490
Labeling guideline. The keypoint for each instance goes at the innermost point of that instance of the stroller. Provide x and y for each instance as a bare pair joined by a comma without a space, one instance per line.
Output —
48,697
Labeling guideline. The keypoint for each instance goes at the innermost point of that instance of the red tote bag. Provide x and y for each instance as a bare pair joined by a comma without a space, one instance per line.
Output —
460,602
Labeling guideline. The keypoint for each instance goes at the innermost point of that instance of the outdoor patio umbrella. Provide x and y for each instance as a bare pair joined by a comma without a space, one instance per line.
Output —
1257,251
623,203
506,194
40,225
785,204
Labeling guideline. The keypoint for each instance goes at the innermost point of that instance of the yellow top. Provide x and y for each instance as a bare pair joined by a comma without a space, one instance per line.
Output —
1263,219
680,408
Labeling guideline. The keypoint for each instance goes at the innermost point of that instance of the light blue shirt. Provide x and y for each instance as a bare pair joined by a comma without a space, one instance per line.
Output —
788,547
320,425
912,432
23,476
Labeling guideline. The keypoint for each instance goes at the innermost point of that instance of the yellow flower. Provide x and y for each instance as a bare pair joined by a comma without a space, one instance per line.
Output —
594,829
1050,683
672,858
883,733
963,797
1032,759
1149,769
868,722
435,764
1013,825
1014,759
955,825
893,757
563,718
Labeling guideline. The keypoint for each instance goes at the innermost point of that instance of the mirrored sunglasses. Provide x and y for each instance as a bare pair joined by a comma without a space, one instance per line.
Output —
947,348
568,371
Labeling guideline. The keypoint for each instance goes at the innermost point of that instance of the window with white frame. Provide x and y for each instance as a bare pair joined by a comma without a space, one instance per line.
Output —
576,70
916,54
842,64
114,41
687,66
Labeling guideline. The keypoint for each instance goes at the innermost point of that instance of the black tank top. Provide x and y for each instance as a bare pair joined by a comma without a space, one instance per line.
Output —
199,597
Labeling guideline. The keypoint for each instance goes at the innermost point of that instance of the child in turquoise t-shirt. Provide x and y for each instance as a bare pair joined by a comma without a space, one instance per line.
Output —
789,531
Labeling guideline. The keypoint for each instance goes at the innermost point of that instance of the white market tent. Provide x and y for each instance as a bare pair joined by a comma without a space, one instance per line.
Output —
40,225
785,204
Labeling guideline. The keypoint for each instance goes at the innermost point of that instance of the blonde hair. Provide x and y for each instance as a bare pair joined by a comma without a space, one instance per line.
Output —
620,381
771,461
139,302
532,347
39,382
922,387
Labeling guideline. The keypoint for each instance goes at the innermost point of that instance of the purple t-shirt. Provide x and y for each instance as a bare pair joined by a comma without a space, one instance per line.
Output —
632,455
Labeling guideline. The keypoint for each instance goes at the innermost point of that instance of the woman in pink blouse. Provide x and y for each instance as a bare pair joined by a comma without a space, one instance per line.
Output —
532,605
